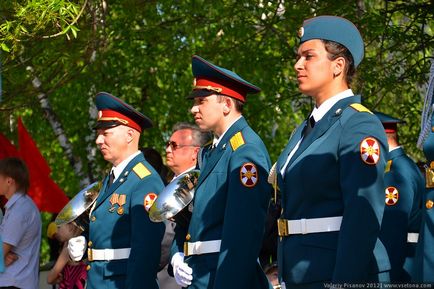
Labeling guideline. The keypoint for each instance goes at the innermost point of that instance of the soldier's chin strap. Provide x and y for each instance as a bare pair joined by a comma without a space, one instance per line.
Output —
427,110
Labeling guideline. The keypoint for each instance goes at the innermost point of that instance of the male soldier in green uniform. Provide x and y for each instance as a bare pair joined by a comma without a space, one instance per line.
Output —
404,185
124,245
230,204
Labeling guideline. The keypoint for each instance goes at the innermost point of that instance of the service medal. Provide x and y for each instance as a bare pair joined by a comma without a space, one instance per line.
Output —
113,200
120,210
121,201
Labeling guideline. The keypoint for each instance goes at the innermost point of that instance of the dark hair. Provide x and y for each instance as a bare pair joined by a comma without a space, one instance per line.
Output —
239,105
16,169
336,50
153,157
200,137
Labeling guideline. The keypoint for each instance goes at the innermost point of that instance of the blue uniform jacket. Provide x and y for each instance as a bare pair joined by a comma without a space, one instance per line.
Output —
327,177
404,185
130,228
225,209
424,267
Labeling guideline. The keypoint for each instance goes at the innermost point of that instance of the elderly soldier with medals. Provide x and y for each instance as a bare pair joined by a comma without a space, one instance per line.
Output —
330,174
123,244
232,194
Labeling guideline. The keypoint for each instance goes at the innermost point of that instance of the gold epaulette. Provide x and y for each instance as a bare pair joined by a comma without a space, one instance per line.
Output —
141,171
388,166
237,140
360,107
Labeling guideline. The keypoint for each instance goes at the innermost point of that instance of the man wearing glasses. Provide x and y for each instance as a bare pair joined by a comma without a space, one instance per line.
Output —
181,156
221,246
183,147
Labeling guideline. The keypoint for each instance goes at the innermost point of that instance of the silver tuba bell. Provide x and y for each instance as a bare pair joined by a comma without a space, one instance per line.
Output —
77,209
174,202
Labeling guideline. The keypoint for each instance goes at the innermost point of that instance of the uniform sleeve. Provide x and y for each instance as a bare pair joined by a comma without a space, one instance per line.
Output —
362,154
146,236
246,206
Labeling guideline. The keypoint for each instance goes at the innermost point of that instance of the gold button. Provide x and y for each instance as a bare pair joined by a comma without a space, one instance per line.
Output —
93,218
87,267
429,204
89,244
188,237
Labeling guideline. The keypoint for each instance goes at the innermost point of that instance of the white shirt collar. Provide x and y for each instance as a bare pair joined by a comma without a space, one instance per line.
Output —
187,170
216,141
319,112
120,167
395,148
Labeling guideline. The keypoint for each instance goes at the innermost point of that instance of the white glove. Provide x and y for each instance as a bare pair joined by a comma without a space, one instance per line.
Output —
181,271
76,248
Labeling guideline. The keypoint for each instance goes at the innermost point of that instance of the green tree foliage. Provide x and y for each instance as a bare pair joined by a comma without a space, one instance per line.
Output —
57,54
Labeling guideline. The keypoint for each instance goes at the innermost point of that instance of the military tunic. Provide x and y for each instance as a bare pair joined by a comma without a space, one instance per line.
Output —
336,171
402,215
119,220
424,267
230,204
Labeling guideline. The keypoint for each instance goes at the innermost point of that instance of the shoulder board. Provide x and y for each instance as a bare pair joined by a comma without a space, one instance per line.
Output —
237,140
388,166
141,171
359,107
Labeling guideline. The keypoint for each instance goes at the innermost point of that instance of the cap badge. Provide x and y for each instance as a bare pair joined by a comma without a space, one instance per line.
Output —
300,32
249,175
392,196
370,151
99,114
194,82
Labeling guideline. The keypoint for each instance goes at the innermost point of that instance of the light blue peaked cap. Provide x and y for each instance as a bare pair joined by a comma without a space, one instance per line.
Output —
335,29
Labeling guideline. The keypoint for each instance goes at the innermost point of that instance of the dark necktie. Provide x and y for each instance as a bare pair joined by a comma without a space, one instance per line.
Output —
111,179
310,123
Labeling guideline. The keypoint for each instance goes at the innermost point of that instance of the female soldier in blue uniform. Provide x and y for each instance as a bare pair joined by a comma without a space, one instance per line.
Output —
330,174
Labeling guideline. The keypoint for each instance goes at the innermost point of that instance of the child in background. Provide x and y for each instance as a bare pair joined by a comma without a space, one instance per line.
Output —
66,273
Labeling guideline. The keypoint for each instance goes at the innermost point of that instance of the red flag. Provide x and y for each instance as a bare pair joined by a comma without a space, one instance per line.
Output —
43,190
6,148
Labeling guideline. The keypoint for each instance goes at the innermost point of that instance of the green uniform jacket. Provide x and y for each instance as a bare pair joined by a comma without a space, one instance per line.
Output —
129,227
335,173
230,204
404,187
424,262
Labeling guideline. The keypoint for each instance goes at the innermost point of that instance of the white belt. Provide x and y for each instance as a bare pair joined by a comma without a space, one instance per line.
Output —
307,226
412,237
198,248
108,254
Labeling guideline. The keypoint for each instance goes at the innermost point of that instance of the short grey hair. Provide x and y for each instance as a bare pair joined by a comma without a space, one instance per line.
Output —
200,137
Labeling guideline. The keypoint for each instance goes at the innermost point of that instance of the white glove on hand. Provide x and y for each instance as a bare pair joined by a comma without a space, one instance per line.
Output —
76,248
181,271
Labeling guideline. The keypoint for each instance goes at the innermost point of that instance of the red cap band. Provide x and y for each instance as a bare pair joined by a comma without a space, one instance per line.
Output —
390,127
111,115
204,83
